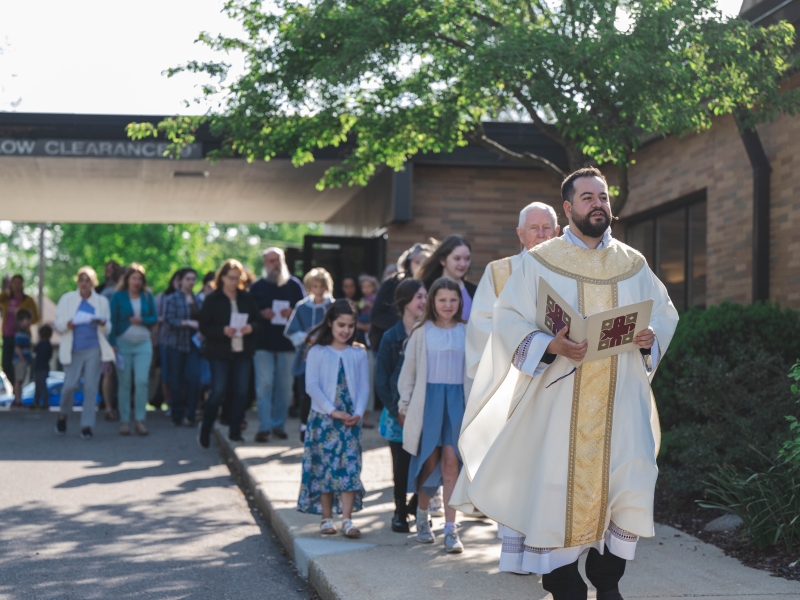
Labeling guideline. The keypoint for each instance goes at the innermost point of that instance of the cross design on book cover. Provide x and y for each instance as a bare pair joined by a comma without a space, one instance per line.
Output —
617,332
554,317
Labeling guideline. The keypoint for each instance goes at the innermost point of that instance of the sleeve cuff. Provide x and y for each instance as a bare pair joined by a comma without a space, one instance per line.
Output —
535,363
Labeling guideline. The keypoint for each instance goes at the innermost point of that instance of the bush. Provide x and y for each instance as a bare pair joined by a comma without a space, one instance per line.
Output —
722,332
768,502
722,390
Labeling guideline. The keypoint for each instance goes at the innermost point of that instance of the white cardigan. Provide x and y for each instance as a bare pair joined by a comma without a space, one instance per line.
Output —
66,309
322,374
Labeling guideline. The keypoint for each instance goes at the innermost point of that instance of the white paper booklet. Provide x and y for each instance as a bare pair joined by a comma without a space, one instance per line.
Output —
83,318
238,320
609,332
277,307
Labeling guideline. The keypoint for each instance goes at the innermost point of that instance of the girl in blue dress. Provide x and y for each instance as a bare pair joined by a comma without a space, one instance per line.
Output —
337,380
431,405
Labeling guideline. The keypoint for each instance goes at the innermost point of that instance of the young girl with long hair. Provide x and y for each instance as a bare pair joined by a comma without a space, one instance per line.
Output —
451,258
337,380
431,405
410,300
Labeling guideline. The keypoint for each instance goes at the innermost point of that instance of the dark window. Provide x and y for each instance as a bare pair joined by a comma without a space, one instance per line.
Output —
673,240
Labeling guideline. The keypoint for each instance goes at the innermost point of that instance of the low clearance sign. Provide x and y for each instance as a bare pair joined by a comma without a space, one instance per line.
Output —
94,148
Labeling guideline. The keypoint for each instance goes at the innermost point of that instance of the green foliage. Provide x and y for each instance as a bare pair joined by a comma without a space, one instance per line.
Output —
721,389
791,447
767,501
161,248
390,79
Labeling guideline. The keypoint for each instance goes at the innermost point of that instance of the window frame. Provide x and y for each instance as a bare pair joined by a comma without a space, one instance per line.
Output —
652,214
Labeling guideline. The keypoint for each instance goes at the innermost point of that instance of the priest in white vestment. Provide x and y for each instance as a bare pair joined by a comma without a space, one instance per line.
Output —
566,462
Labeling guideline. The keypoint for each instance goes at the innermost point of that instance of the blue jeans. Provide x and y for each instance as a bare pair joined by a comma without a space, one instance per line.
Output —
184,370
137,357
238,370
273,387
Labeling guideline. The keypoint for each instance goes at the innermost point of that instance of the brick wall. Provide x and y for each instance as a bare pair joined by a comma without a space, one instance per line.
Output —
482,204
715,161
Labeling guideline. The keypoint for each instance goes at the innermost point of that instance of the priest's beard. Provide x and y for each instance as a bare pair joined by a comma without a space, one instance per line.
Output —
591,229
279,277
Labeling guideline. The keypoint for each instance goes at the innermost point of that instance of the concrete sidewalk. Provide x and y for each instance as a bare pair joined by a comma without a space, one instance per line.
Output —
387,565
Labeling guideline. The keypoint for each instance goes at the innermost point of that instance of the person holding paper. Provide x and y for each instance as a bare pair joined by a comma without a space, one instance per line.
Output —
229,322
572,449
83,320
276,294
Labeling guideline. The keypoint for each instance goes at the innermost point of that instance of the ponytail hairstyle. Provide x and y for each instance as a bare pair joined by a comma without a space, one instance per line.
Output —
322,334
443,283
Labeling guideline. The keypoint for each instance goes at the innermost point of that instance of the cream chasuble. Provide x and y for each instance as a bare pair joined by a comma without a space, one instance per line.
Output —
565,454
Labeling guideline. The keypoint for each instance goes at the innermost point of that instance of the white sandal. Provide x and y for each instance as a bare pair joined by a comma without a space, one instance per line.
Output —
326,527
350,530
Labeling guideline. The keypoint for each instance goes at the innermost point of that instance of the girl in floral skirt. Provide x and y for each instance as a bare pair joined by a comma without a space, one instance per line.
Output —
337,380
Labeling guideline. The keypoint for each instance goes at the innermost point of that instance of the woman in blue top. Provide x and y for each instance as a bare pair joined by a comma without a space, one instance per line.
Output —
409,300
307,314
133,315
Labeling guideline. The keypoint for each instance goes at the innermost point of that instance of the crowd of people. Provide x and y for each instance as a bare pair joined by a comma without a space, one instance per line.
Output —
414,343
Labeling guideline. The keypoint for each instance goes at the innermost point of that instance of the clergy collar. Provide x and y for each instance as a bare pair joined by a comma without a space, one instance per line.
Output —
576,241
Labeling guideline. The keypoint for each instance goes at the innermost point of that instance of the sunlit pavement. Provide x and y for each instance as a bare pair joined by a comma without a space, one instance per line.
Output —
386,565
118,517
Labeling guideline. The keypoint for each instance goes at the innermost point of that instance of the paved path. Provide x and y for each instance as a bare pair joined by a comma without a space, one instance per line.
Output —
388,566
118,518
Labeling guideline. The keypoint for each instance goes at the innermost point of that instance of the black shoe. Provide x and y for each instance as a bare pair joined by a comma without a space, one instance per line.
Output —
189,422
280,434
609,595
86,433
61,426
262,437
177,422
203,437
400,523
236,438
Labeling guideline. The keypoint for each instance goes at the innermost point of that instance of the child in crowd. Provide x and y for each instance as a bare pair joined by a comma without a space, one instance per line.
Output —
22,352
41,368
337,381
307,314
410,299
369,290
431,405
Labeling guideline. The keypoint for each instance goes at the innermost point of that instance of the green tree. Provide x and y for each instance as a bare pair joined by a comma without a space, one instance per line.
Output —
389,79
161,248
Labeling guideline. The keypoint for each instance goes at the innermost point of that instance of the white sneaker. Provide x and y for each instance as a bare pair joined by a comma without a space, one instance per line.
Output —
452,544
424,533
436,506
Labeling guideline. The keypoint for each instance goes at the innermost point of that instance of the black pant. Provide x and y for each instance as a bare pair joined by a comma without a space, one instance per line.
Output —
8,359
603,570
41,394
238,371
401,461
305,399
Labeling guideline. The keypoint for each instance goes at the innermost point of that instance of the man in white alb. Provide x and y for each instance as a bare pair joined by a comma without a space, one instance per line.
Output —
567,461
537,223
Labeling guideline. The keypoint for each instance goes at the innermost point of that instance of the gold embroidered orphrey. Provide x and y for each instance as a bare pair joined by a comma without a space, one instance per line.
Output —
597,273
501,272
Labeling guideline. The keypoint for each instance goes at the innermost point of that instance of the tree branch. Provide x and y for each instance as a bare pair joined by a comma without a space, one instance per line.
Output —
486,19
622,198
546,129
479,137
453,42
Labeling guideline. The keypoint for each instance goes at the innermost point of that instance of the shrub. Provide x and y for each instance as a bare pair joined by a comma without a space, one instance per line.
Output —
768,502
721,389
722,332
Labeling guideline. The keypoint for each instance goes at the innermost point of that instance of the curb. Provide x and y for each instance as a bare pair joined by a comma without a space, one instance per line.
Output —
300,550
